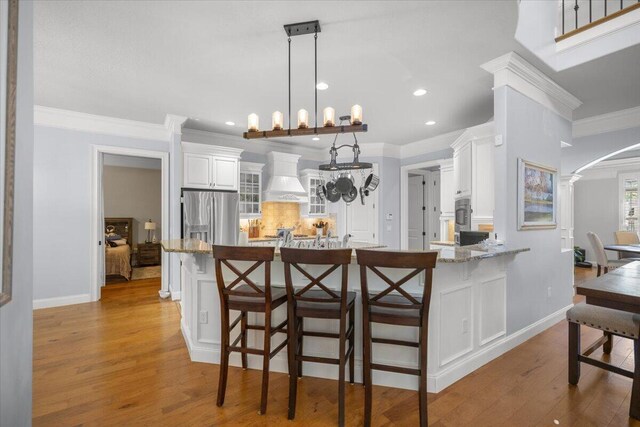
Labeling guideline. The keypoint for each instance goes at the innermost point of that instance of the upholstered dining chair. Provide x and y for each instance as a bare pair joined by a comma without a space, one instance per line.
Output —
627,238
604,263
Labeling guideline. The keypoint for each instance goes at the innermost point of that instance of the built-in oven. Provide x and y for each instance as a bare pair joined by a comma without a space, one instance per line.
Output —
462,217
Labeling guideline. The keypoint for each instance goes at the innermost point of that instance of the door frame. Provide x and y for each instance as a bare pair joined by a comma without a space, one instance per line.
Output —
423,174
96,232
404,198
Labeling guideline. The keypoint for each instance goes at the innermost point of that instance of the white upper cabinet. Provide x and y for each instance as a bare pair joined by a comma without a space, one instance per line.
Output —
462,171
447,192
197,170
210,167
316,207
250,190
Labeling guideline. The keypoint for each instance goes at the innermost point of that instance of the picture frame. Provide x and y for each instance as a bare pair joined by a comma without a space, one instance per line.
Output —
8,77
537,196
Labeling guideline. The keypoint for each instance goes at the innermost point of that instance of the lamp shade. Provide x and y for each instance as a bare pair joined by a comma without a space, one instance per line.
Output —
149,225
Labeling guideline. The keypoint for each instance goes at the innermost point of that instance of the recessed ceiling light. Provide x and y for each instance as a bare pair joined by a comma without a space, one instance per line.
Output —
229,123
430,123
315,138
322,86
420,92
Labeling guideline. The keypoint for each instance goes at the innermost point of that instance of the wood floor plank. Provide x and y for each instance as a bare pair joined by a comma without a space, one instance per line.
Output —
122,361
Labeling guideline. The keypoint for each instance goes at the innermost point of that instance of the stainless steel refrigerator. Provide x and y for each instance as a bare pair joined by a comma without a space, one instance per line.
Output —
211,216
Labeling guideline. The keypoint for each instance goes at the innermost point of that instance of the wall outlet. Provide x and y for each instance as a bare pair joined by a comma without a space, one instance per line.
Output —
204,316
465,326
549,292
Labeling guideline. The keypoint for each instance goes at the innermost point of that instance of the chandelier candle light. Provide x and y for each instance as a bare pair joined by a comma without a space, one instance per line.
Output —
303,126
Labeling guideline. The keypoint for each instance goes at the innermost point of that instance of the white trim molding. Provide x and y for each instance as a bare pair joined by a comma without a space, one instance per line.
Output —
92,123
610,122
474,133
514,71
61,301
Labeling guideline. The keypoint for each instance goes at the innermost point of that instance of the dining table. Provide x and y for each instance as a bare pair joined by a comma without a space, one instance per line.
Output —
631,248
619,289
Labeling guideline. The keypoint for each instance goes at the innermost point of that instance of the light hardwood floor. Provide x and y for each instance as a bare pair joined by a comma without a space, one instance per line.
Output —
122,361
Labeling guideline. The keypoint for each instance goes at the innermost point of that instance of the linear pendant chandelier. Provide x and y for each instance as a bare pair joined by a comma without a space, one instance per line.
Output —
303,127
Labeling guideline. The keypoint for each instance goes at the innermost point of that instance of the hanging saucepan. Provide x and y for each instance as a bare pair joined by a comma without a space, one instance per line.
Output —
351,195
333,195
362,190
344,183
321,192
371,183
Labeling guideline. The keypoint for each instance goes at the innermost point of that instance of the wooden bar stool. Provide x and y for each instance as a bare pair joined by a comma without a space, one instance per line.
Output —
395,306
316,300
612,322
247,297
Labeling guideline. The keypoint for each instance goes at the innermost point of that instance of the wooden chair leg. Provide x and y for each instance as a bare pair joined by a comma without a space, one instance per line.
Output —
423,378
300,343
574,351
292,345
224,356
606,270
608,346
243,340
366,368
599,270
265,362
352,356
634,407
342,364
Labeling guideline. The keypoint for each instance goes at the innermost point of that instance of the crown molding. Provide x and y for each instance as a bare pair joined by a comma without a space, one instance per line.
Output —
429,145
91,123
485,130
514,71
610,122
174,123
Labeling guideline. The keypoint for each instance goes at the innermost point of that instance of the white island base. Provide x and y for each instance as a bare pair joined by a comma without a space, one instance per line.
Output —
467,320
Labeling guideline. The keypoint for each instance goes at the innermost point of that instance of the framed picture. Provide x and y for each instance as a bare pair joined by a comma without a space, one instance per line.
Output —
8,76
537,200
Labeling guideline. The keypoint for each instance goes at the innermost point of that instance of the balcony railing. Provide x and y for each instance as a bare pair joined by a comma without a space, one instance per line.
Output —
580,15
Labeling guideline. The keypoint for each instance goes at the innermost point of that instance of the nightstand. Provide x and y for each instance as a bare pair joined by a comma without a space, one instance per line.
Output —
148,254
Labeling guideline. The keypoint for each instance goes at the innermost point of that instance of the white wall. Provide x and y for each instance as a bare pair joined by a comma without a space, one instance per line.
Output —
136,193
16,317
595,209
532,132
62,207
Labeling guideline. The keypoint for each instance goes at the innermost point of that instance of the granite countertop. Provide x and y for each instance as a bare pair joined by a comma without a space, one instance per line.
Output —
456,254
442,243
273,239
186,246
453,254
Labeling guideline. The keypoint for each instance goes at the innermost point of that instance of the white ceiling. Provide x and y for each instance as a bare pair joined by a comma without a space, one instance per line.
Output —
220,61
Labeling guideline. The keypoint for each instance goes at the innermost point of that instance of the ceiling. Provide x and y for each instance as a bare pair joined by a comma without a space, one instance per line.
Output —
219,61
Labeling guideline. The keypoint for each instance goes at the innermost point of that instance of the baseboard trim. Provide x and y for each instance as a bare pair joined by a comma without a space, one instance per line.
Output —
60,301
210,353
176,295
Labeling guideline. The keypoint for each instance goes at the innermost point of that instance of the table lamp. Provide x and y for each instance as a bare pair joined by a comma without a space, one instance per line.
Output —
149,225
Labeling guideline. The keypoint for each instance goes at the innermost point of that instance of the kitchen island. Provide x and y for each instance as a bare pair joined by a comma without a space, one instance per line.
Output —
467,319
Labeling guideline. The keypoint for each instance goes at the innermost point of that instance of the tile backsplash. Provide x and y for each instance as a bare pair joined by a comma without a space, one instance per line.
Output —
287,215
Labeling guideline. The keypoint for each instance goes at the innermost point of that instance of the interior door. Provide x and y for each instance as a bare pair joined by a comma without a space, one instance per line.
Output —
434,207
416,213
362,220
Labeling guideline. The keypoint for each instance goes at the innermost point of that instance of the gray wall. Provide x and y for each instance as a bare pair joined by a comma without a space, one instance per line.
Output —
136,193
532,132
62,202
595,209
16,317
589,148
426,157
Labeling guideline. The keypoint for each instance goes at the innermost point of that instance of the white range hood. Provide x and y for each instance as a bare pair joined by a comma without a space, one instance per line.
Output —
284,185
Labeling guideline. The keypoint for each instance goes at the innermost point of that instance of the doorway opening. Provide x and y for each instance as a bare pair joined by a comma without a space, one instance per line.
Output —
129,216
420,205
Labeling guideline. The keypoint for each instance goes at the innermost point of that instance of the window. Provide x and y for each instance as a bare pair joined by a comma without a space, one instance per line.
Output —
629,202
